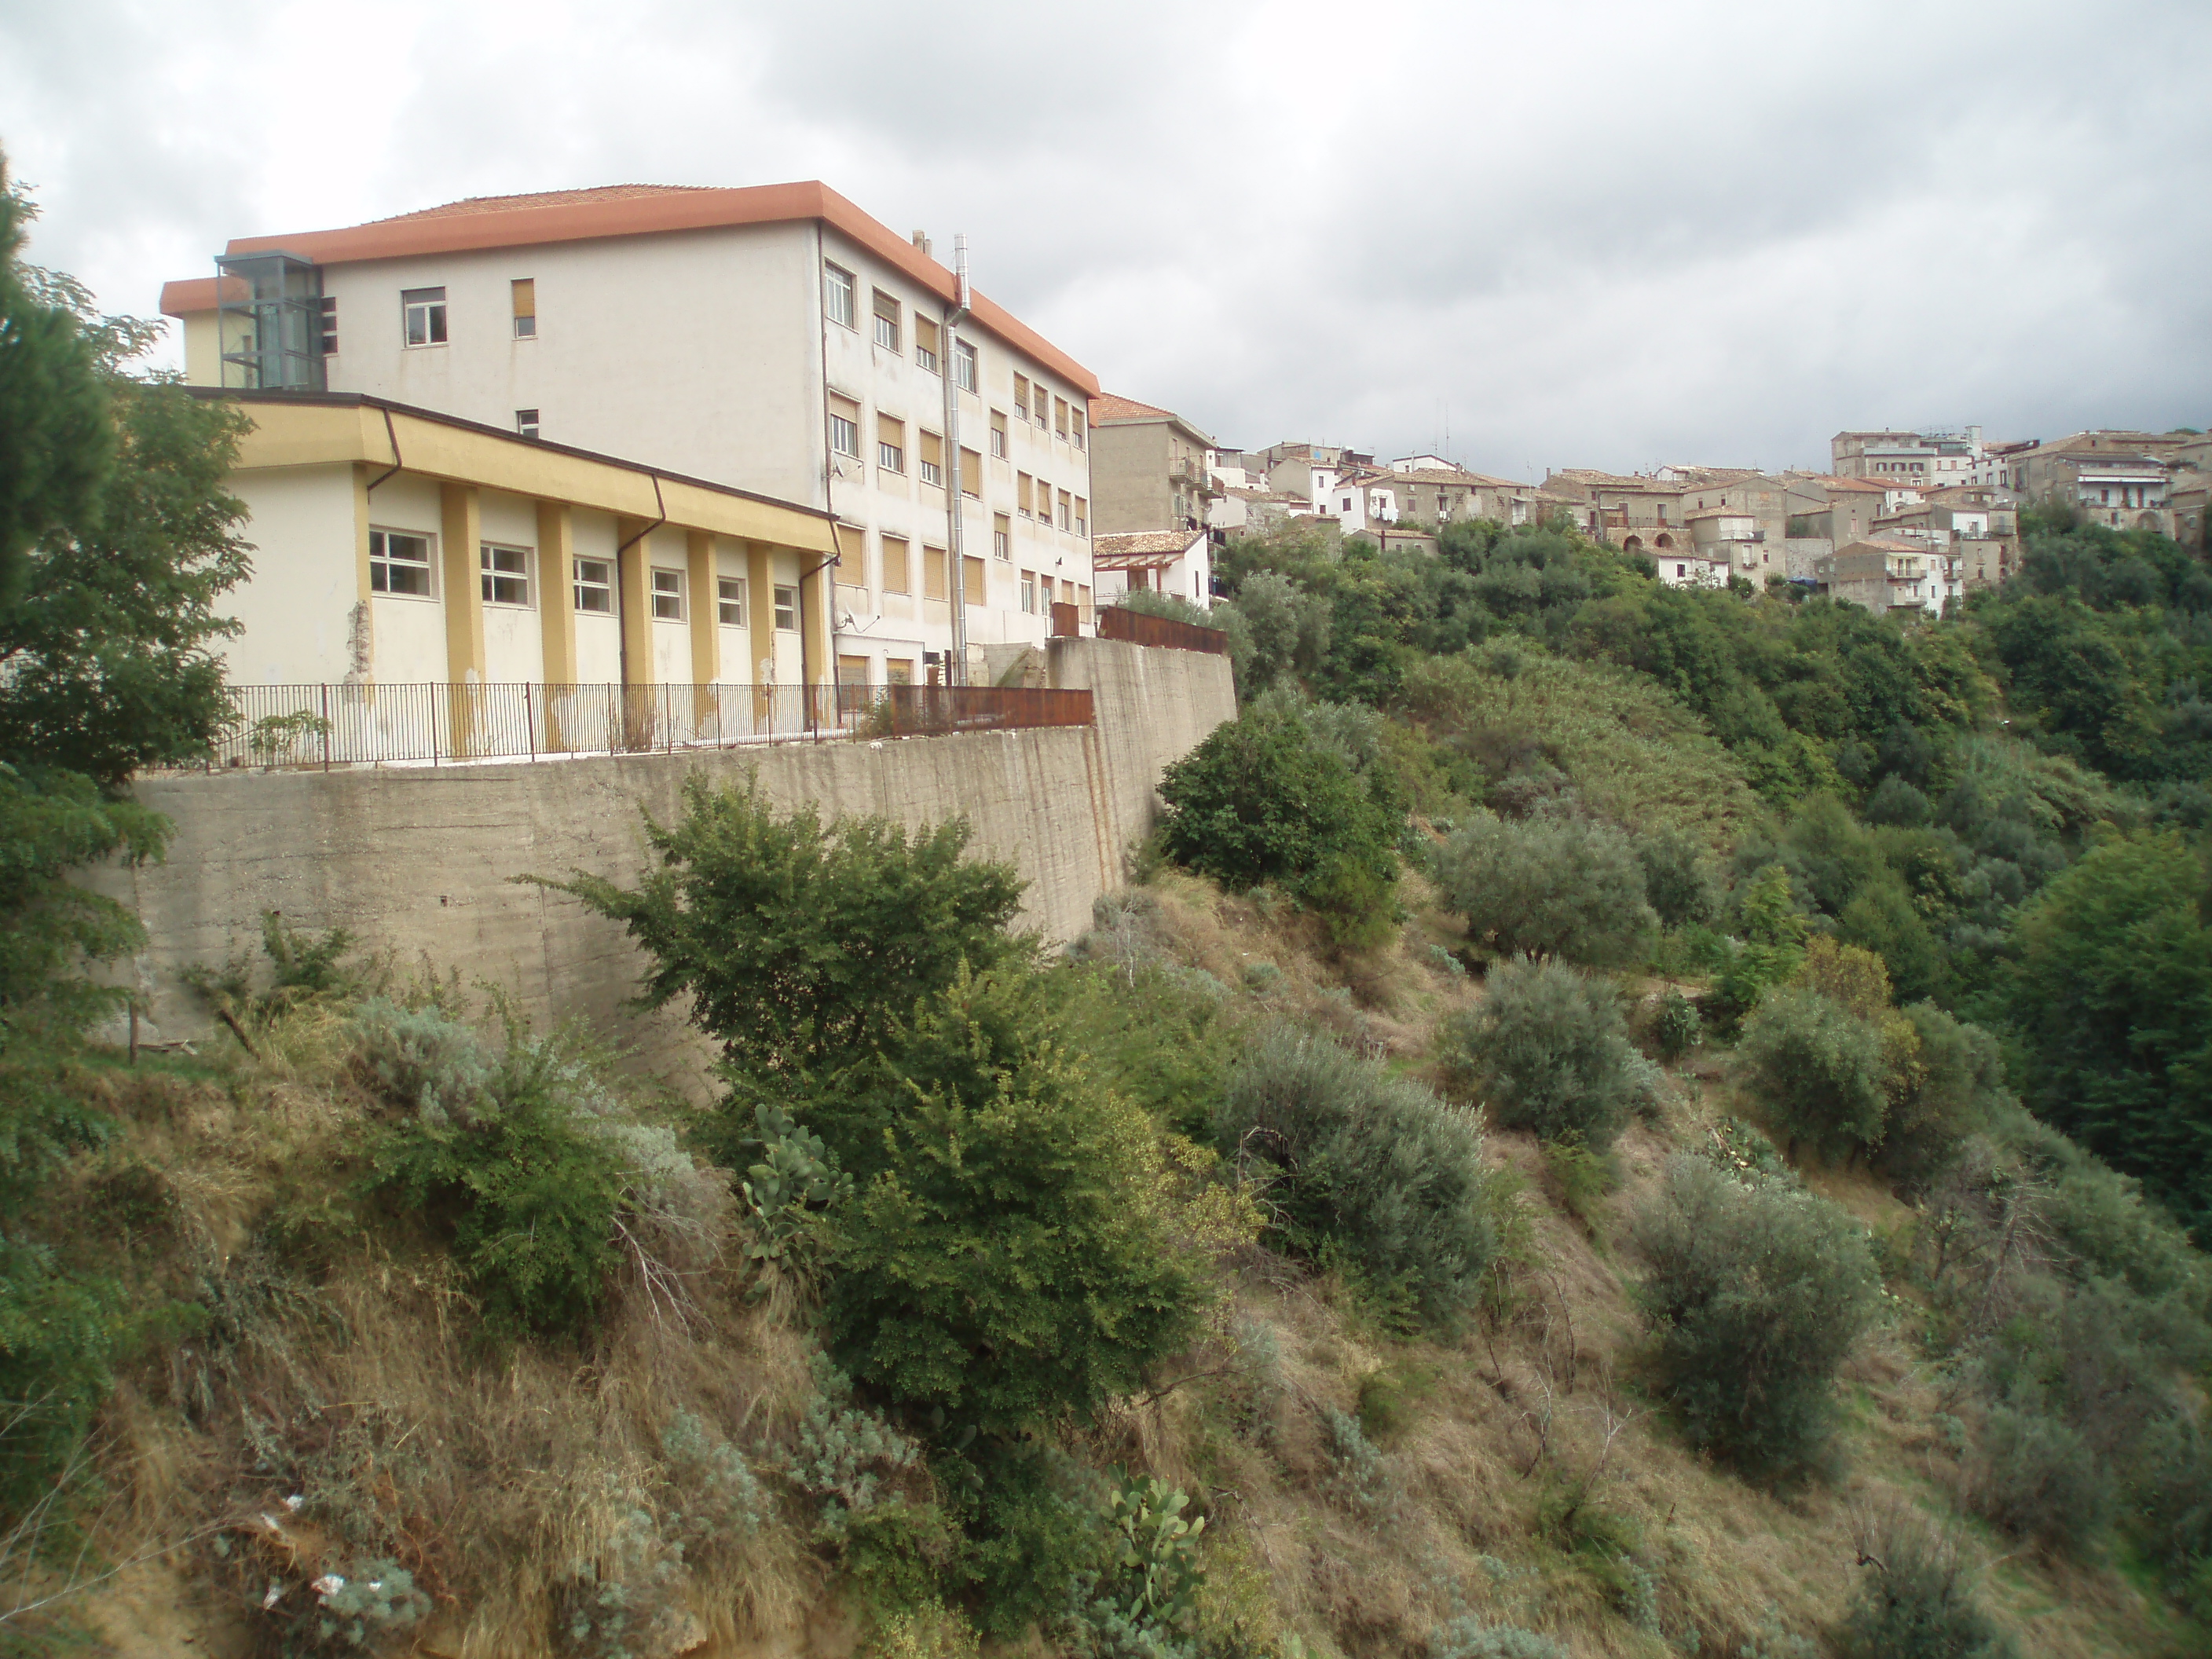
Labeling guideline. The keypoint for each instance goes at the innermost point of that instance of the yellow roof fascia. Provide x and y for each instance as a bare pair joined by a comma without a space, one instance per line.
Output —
321,434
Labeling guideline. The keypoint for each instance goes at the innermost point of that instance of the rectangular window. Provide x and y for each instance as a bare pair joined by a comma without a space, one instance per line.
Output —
423,311
668,596
525,422
1082,516
506,573
1075,423
526,307
890,444
971,473
925,344
595,586
1022,396
398,563
330,325
998,434
844,426
1059,417
887,321
1029,592
730,601
898,671
932,573
964,365
786,609
1002,537
1022,501
897,576
1066,510
837,294
931,462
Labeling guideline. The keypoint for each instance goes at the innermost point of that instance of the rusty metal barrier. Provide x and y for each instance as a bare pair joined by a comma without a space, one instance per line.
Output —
1119,622
435,724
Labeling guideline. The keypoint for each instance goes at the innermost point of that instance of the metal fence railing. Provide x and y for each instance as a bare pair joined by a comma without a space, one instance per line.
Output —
330,725
1119,622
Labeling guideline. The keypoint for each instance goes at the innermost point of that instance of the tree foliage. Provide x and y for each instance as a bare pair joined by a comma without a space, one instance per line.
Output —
1549,1051
1549,887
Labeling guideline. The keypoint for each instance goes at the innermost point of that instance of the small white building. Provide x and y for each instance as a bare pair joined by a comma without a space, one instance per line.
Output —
1177,562
1691,567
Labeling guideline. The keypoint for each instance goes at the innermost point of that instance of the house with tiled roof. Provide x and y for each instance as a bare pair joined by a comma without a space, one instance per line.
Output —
1177,562
1148,468
775,338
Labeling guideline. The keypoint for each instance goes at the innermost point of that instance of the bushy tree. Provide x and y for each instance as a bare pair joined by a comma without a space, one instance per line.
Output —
1005,1257
1261,801
1817,1071
1549,887
1549,1051
794,941
1754,1292
2112,1001
1375,1161
1915,1600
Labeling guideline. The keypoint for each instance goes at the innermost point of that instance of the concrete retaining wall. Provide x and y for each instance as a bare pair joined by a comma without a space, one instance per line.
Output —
418,862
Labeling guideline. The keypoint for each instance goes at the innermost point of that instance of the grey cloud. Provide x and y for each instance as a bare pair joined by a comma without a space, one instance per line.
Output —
1602,233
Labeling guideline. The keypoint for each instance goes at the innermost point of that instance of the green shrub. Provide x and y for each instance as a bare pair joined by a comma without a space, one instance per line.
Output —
1376,1162
1005,1257
1263,800
711,1495
1675,1027
1547,887
1816,1070
1753,1294
525,1161
362,1604
1946,1092
1916,1601
1581,1178
1469,1637
794,943
1678,878
1549,1051
2037,1477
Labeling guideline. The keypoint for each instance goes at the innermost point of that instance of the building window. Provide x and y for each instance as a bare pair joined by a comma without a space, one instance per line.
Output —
890,444
971,473
896,575
1059,417
1022,495
1022,396
398,563
844,426
1002,537
506,573
786,609
998,434
668,596
837,294
887,321
595,586
423,310
730,601
1029,592
330,325
925,344
930,463
1082,516
1075,426
526,307
964,365
1066,509
525,422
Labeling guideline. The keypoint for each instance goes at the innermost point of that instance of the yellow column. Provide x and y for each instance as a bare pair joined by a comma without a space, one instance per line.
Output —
706,630
556,591
633,595
760,628
364,636
817,594
461,564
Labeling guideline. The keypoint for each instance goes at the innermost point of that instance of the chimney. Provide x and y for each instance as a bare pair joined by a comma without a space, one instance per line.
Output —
921,241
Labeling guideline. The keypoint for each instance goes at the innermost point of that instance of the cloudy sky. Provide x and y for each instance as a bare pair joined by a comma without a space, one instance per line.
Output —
1606,235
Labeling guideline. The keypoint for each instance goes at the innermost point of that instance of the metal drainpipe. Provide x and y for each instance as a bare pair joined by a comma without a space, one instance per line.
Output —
956,583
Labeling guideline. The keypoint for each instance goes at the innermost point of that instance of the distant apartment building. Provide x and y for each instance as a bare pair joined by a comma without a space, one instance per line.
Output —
1929,459
2122,480
773,339
1634,512
1148,468
1435,492
1839,508
1883,575
1307,470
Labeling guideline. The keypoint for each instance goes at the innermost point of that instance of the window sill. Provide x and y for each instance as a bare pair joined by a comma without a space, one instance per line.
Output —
411,598
432,345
